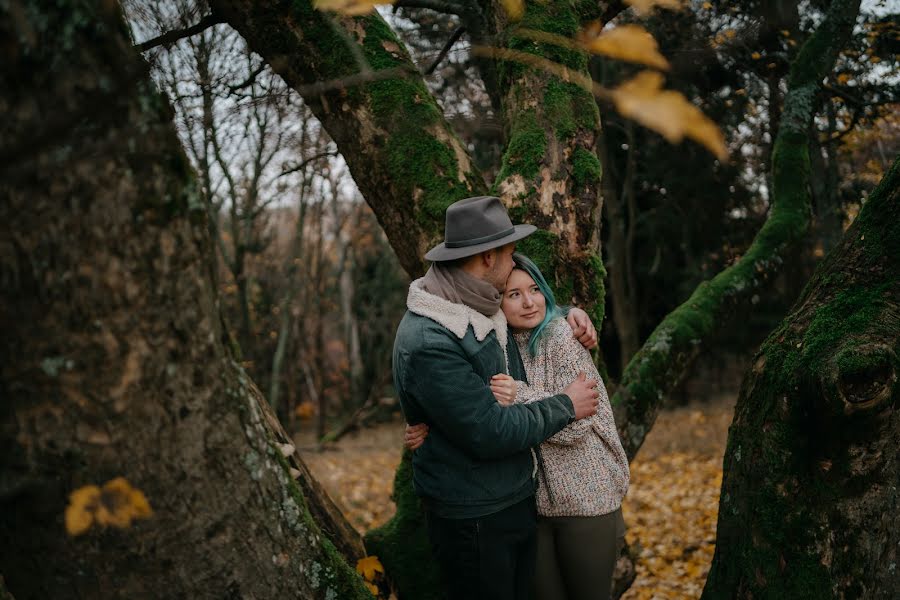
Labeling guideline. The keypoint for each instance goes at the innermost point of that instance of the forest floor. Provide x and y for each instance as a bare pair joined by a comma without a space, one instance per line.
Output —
671,507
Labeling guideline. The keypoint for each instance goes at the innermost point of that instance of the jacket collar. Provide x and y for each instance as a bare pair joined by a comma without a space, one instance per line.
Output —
455,317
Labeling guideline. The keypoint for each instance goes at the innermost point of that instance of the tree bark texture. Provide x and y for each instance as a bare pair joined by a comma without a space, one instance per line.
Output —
809,499
664,358
113,362
550,174
402,153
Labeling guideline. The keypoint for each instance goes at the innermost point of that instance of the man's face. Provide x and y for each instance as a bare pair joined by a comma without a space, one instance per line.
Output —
502,267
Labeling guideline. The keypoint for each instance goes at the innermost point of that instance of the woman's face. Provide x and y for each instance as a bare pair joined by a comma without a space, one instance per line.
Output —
523,303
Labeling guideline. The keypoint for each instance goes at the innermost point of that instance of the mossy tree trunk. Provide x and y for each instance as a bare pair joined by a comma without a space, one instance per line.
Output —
665,357
113,361
550,174
809,498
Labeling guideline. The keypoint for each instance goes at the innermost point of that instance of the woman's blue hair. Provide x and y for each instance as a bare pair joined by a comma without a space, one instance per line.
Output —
553,310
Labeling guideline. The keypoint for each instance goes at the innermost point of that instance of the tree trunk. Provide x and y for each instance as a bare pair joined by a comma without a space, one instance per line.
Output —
665,356
809,499
550,174
112,358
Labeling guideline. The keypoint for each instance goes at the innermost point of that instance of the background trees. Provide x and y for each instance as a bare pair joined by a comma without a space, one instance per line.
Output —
120,261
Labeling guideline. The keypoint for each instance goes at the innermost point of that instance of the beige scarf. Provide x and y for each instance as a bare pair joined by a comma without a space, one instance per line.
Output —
455,285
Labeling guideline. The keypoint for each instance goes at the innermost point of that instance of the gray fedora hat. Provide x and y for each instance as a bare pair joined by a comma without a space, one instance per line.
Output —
474,225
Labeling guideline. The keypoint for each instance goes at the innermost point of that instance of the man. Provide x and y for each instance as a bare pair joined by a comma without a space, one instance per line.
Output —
475,471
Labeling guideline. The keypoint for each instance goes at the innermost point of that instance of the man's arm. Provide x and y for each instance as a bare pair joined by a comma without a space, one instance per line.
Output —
459,403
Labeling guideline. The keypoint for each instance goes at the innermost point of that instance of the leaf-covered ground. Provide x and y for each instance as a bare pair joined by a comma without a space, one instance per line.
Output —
671,508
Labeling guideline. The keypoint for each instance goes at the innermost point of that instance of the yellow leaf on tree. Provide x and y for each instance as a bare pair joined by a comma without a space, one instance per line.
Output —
514,9
707,5
368,567
625,42
730,33
644,7
667,112
349,7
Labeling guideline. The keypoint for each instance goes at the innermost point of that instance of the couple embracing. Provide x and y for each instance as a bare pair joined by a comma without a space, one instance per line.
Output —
516,455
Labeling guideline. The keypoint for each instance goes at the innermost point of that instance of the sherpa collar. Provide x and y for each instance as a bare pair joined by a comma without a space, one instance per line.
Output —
455,317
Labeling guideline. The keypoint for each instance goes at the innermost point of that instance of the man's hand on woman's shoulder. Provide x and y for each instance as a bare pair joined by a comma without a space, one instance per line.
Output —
582,327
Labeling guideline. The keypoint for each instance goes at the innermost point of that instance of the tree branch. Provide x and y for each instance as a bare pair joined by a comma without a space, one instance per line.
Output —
251,78
666,355
170,37
287,170
446,49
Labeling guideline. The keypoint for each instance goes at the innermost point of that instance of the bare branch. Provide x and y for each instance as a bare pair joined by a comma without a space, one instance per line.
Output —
170,37
446,49
320,87
287,170
251,78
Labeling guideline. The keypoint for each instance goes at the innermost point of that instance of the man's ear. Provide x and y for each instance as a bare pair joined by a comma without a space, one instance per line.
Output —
489,257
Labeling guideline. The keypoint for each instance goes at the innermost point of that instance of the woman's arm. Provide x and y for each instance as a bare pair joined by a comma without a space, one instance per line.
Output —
567,359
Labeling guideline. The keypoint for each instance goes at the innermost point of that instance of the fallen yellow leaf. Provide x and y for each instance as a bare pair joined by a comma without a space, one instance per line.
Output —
644,7
667,112
625,42
368,567
756,56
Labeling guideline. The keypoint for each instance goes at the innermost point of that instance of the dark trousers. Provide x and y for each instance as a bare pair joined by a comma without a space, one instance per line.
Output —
576,556
489,557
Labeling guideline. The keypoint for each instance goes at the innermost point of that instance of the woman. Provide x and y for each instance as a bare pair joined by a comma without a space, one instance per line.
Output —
583,471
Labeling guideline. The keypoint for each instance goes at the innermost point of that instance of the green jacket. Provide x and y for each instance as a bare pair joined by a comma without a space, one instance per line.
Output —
477,457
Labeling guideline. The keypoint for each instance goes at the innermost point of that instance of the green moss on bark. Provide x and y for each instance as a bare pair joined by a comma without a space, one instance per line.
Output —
526,149
586,169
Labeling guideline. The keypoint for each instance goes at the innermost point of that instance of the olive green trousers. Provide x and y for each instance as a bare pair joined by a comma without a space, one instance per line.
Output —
576,556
